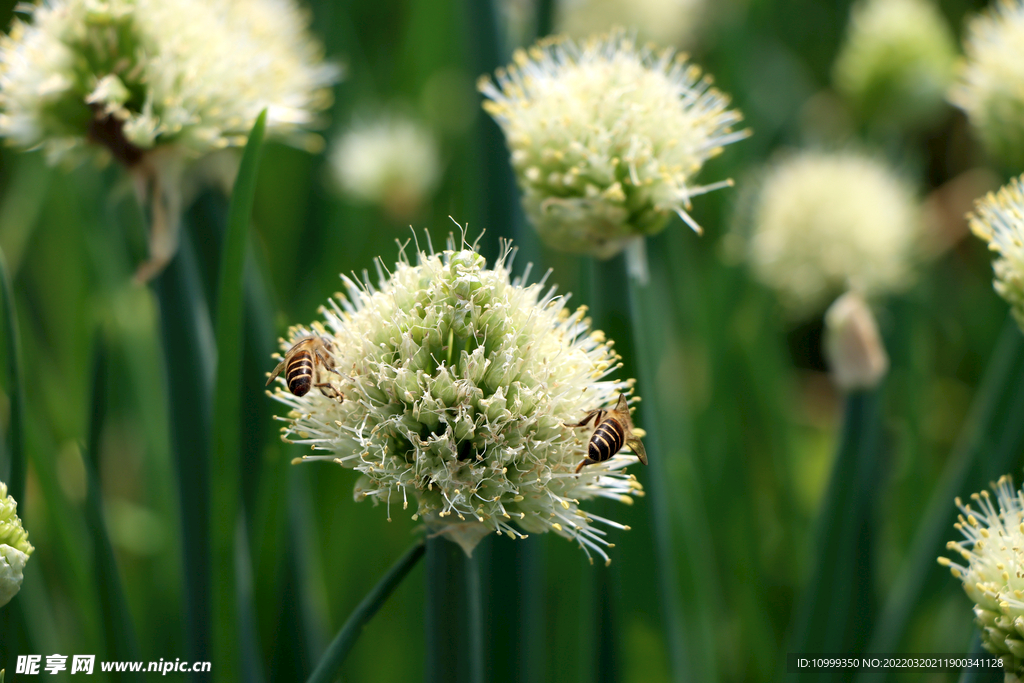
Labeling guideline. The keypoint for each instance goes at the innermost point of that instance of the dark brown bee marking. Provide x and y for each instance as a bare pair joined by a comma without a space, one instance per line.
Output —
607,440
300,366
299,373
613,429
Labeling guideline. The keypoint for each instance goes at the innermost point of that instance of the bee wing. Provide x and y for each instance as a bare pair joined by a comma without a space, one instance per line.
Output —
638,449
277,371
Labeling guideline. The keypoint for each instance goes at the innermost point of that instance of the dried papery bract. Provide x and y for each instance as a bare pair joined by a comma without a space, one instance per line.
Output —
460,383
155,84
998,219
993,553
826,222
14,547
606,138
990,86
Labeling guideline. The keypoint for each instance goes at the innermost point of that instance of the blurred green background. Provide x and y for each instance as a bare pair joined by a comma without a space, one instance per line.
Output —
741,389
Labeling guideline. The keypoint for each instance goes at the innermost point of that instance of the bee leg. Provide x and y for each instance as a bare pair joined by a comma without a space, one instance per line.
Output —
328,390
638,449
586,461
599,414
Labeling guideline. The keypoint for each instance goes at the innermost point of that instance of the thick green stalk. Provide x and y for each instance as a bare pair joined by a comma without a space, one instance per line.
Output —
12,455
118,628
188,353
12,467
453,615
679,504
834,615
224,468
327,670
989,445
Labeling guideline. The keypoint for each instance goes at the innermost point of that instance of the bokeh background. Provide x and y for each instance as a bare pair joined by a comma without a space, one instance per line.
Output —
750,418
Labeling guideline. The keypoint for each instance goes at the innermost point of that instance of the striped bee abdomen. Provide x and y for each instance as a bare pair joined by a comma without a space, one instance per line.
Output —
606,441
300,373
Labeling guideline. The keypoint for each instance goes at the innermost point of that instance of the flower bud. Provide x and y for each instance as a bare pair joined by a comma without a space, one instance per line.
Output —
853,347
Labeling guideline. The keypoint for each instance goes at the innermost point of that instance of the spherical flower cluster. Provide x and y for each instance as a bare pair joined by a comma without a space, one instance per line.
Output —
14,547
392,161
133,75
897,61
666,22
993,549
454,384
824,223
999,220
606,138
990,88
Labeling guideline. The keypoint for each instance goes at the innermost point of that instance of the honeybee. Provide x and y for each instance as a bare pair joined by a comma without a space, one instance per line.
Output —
300,365
612,429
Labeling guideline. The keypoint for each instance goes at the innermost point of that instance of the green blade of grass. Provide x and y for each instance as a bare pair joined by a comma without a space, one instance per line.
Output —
453,615
327,669
831,620
988,446
118,628
224,463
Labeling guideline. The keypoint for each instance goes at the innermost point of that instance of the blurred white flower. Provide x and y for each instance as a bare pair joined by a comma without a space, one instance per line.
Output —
824,223
454,385
993,548
14,547
392,161
666,22
854,349
897,60
155,83
998,219
990,87
606,139
132,75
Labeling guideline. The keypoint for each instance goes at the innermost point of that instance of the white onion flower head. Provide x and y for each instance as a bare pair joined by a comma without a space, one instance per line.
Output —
990,87
14,547
993,569
897,60
606,139
458,383
998,219
132,75
824,223
156,84
666,22
392,161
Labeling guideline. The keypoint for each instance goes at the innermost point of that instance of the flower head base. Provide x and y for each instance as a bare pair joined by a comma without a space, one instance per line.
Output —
999,220
990,88
897,60
993,548
132,75
823,223
606,138
14,547
459,383
392,161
